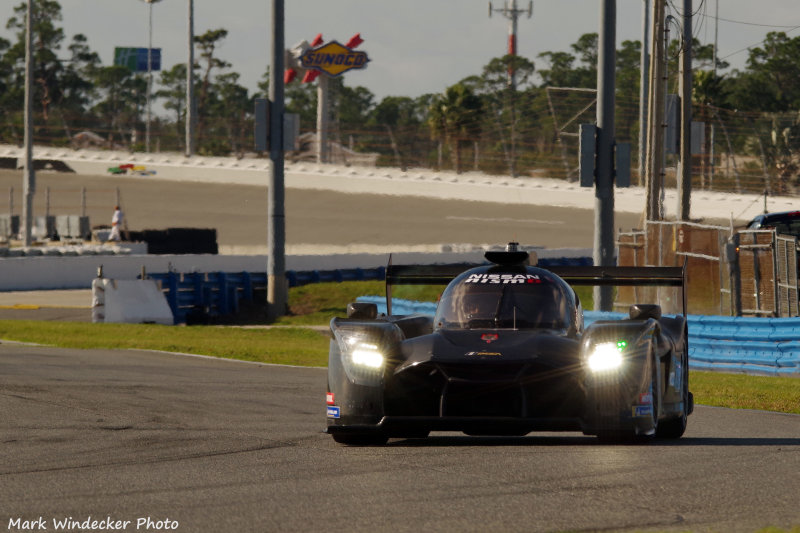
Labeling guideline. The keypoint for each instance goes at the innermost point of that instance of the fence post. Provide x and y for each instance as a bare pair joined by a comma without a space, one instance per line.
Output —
732,256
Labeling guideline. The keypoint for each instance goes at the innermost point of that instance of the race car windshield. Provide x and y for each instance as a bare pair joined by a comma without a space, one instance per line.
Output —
527,305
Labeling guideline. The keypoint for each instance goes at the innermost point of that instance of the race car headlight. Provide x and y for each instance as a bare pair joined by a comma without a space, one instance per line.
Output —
363,357
605,356
367,355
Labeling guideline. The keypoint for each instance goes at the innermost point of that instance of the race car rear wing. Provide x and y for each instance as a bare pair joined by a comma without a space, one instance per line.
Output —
574,275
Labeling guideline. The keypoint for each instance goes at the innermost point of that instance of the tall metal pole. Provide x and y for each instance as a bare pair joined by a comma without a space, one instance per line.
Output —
644,86
277,290
149,74
685,177
190,86
655,114
716,36
29,185
512,87
512,43
604,182
323,112
512,13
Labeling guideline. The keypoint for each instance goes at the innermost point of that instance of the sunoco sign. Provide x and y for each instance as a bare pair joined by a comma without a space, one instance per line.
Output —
333,59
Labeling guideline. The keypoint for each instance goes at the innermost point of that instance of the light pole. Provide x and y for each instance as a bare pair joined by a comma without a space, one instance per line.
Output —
190,86
149,72
29,185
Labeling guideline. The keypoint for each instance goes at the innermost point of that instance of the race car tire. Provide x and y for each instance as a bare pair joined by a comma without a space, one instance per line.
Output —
673,428
360,439
630,435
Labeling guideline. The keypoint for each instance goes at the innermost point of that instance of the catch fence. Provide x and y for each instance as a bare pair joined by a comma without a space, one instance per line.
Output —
739,273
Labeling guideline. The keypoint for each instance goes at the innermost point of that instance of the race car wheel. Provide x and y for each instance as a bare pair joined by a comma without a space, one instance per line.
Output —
630,435
673,428
360,439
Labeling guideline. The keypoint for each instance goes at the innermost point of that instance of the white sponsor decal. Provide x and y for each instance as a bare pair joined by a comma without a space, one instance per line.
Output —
503,278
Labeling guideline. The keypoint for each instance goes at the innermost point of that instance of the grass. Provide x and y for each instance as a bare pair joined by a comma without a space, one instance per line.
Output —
316,305
740,391
287,346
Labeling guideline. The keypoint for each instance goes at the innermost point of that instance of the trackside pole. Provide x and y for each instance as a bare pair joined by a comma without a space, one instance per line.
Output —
277,290
603,253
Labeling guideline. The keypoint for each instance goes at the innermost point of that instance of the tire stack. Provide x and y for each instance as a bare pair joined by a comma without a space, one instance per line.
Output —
177,240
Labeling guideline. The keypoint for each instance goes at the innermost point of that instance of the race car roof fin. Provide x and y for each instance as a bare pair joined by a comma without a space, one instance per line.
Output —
512,255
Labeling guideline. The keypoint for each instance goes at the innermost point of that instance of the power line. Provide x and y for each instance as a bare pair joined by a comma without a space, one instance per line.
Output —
754,44
752,23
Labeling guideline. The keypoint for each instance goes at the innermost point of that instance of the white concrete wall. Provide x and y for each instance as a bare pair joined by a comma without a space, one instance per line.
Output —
77,272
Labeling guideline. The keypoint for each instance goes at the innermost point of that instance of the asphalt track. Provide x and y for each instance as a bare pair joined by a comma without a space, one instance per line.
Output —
313,217
221,445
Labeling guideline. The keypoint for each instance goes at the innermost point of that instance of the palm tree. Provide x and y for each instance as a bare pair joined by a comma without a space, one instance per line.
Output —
455,117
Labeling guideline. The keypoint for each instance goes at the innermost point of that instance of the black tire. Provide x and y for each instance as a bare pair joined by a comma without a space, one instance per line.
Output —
674,428
361,439
629,435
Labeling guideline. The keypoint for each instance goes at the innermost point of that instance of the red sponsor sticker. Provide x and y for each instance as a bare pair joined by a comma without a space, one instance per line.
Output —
329,398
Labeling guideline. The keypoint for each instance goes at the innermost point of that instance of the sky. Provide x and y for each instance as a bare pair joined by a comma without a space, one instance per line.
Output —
415,46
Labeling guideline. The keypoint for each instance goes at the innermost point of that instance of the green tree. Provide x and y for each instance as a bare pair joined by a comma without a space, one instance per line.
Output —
502,100
564,73
173,92
231,108
47,39
772,80
120,99
455,118
207,43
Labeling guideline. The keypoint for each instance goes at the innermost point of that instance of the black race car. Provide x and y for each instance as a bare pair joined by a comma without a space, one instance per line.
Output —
506,354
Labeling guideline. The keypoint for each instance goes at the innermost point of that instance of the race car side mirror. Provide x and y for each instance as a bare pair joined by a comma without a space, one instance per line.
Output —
362,310
644,311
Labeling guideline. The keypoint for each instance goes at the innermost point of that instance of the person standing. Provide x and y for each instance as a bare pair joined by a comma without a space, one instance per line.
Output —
116,224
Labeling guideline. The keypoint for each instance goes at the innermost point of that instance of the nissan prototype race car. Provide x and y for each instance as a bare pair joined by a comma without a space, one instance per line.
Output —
506,354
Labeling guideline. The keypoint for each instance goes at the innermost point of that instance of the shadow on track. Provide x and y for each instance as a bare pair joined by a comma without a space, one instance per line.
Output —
571,440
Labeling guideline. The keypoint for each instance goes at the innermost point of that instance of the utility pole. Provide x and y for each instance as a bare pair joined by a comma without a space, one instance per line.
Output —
323,120
655,114
603,253
511,12
149,73
29,184
685,177
277,290
190,85
644,86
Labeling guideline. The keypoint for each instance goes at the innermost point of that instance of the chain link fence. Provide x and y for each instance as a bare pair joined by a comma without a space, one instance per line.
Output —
736,151
749,272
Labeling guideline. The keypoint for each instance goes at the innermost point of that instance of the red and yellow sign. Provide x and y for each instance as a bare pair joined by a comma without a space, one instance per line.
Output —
333,58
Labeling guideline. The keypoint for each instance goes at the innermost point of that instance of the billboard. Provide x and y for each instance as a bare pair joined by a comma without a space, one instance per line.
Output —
333,59
136,58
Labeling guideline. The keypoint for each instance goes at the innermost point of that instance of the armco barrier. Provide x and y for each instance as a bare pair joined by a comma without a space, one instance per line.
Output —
730,344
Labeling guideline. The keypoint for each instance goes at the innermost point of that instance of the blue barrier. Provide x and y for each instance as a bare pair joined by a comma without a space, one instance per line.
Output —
197,295
731,344
207,294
